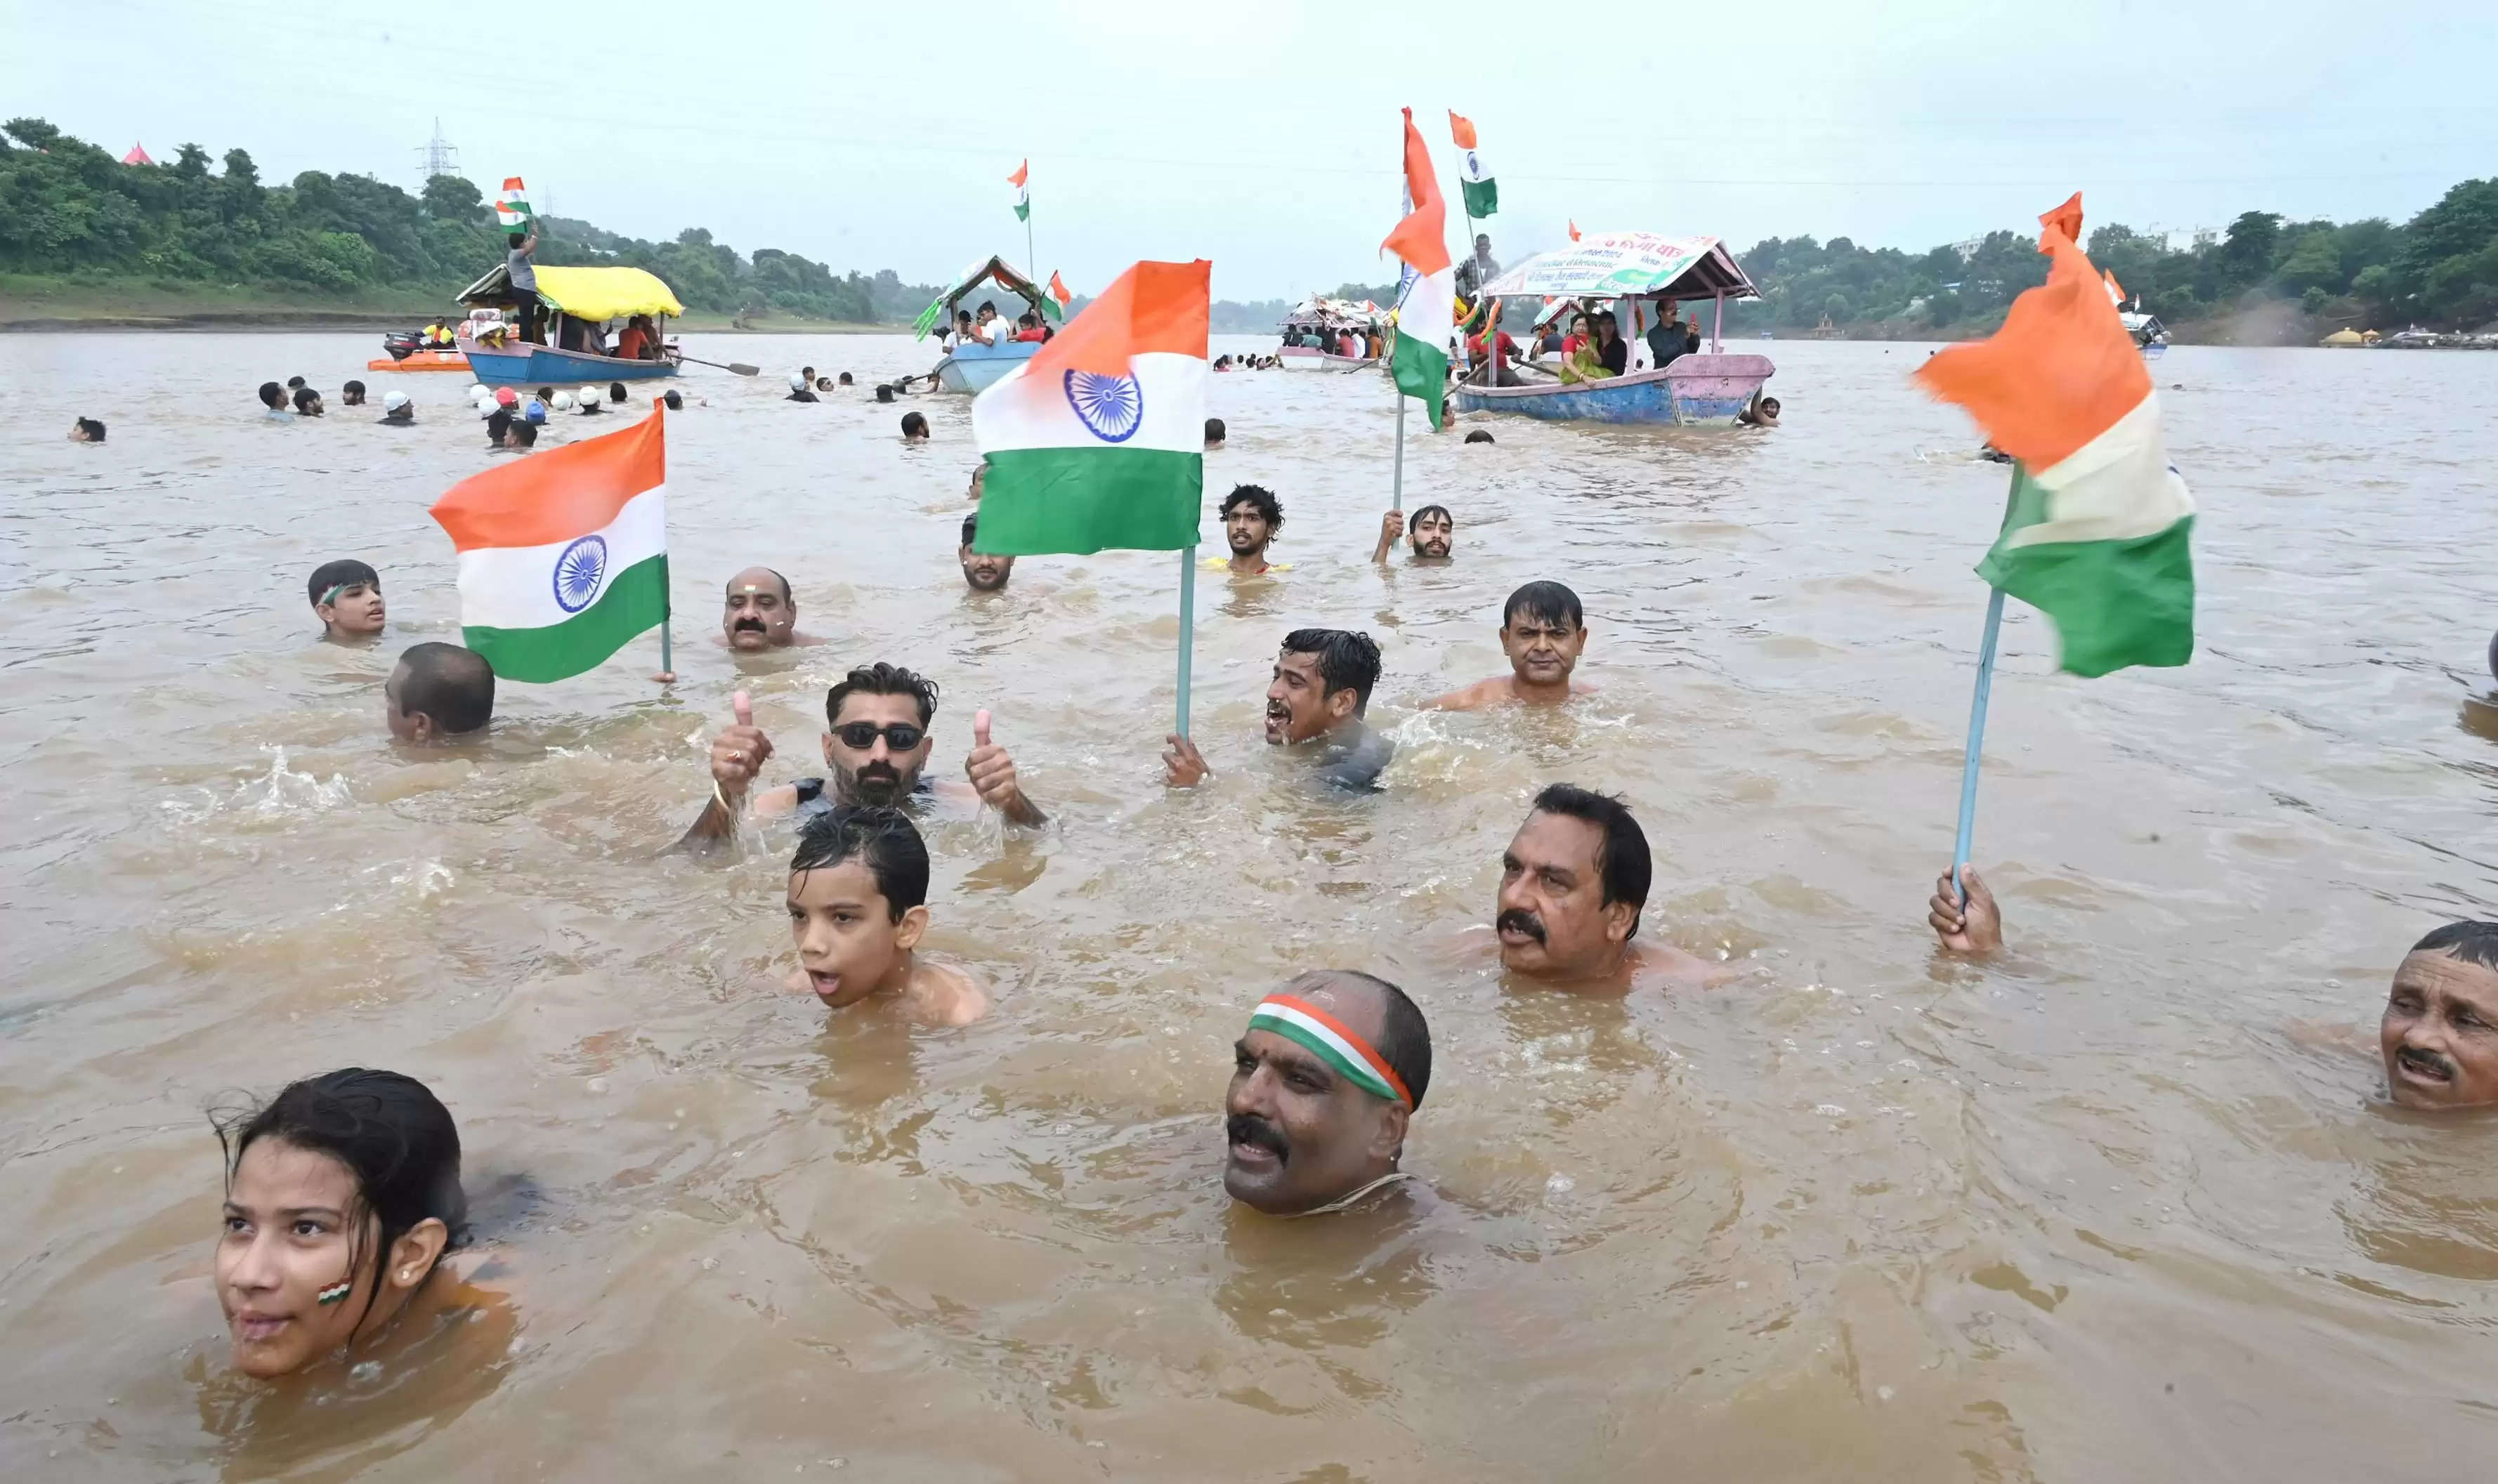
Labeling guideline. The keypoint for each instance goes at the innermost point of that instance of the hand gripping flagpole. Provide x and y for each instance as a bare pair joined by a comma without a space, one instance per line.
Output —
1977,727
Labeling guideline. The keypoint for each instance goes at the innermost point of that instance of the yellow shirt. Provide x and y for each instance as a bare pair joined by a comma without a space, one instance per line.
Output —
1224,564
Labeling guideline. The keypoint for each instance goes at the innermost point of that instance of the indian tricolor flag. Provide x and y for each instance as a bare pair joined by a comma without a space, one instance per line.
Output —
2096,533
1420,364
1099,440
1023,197
564,556
512,207
1481,192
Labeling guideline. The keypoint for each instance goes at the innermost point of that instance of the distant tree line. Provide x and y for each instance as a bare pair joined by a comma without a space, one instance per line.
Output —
70,210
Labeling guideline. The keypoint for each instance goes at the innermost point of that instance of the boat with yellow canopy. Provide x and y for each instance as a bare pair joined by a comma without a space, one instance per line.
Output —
558,335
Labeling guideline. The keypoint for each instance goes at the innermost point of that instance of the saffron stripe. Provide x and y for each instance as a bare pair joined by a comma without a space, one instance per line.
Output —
1364,1065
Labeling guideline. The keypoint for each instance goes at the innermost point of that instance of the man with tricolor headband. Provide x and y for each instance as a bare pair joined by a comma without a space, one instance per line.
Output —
1323,1086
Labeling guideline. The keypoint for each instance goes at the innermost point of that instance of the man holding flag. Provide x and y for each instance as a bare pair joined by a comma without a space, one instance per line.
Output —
519,264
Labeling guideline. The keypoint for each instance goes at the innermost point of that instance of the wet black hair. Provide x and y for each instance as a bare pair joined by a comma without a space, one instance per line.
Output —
1214,430
809,370
498,423
1549,601
884,392
306,397
616,391
883,680
1260,498
879,836
93,430
990,304
273,395
346,572
1427,511
1480,435
971,526
846,378
355,387
1404,1036
914,422
2472,942
675,400
453,685
393,1135
1622,860
1348,660
294,383
546,394
527,432
1027,320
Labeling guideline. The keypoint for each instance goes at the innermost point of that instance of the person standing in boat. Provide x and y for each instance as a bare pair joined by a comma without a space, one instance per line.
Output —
520,266
1665,341
1479,269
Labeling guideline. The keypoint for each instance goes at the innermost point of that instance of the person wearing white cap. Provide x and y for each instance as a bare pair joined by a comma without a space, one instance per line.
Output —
563,402
798,391
589,402
398,410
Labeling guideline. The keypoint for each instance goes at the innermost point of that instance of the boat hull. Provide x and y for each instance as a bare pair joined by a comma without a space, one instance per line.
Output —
545,366
1690,390
2155,350
422,361
972,370
1307,357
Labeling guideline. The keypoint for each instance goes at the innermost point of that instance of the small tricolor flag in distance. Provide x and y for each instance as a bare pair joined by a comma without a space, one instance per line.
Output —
1099,440
512,207
564,556
1481,192
1574,230
1420,364
1023,197
1058,291
2096,535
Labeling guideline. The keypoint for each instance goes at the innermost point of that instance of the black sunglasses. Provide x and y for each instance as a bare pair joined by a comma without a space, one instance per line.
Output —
859,736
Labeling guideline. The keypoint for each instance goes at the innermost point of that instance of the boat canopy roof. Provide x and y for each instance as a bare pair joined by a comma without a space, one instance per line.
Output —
1628,264
990,269
2136,323
1318,309
584,292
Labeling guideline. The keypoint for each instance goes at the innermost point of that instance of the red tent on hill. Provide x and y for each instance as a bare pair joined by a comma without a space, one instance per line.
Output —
138,156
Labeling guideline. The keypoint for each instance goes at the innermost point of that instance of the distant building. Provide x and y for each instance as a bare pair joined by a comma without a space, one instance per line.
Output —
138,156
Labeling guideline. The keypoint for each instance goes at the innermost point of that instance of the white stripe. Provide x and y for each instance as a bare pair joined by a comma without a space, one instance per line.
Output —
1320,1029
1431,309
1022,413
513,587
2118,487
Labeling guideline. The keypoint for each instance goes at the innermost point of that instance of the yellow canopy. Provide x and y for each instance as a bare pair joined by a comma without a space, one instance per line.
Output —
2345,337
606,293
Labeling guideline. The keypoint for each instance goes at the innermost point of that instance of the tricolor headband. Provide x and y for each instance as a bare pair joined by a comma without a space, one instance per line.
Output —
1333,1042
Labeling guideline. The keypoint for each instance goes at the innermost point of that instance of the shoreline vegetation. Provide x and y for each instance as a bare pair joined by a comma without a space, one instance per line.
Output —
90,243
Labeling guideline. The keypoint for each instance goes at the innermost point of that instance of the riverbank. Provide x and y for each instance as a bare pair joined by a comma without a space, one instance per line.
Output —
35,304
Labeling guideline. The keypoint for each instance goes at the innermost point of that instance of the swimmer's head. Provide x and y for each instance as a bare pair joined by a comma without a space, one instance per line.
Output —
1480,435
984,573
273,397
438,691
587,400
616,394
879,739
1322,680
308,402
343,1194
396,405
352,395
758,612
1214,433
1573,882
915,428
798,381
858,899
1324,1084
1252,518
844,379
2440,1030
86,431
348,598
1543,632
675,400
1432,532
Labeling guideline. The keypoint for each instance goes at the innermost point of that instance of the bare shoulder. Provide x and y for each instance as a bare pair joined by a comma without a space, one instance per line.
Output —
1582,688
1473,698
944,994
2333,1036
1684,966
775,801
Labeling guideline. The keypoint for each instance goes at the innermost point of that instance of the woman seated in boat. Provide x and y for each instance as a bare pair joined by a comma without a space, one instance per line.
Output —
1608,355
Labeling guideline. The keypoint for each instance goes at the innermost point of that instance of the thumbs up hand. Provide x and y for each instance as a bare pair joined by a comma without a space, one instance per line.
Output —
738,753
992,771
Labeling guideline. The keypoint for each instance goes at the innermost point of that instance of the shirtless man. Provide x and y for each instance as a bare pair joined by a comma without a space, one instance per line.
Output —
1324,1084
1315,704
1573,883
759,613
858,908
1543,632
2438,1037
877,746
1434,532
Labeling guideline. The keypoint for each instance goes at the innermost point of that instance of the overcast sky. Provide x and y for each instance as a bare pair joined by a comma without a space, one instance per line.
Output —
1265,136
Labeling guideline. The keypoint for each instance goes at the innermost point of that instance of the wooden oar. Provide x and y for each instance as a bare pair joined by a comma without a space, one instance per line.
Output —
736,368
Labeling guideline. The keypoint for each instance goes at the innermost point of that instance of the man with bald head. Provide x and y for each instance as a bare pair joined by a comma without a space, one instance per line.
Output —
1324,1084
1573,883
760,613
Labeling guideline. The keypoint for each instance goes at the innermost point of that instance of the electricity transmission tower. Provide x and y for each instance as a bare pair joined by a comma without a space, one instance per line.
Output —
442,156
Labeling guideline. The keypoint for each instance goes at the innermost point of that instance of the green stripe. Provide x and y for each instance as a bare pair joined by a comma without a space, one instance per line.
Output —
1482,197
2114,603
1038,501
1421,369
635,601
1350,1071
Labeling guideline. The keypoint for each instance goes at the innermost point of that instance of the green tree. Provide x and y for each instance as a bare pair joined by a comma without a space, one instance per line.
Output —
451,198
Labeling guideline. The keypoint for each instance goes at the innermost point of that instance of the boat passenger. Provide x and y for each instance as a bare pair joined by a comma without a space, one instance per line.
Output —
637,342
352,395
1665,341
961,334
348,598
342,1197
915,428
1491,352
438,691
1691,336
1577,337
400,412
798,391
308,402
272,397
86,431
1028,328
987,328
1291,334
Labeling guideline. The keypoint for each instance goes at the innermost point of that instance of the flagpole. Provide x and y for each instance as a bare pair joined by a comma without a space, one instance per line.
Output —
1396,491
1978,724
1187,627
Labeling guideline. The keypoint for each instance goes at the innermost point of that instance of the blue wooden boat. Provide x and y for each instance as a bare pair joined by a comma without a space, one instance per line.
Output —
971,366
517,339
1636,274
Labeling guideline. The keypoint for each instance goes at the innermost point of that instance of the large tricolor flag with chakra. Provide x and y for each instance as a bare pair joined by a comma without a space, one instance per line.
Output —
564,556
1481,192
1420,364
1099,440
2096,532
512,205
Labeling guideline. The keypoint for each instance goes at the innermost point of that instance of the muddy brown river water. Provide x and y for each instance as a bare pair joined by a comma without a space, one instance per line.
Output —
2090,1213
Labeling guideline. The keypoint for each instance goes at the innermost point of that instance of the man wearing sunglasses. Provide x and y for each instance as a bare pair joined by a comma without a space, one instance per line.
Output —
877,746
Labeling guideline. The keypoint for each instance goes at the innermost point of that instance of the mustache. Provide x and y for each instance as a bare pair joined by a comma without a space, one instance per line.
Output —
1256,1132
1434,549
2428,1062
1523,920
744,625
